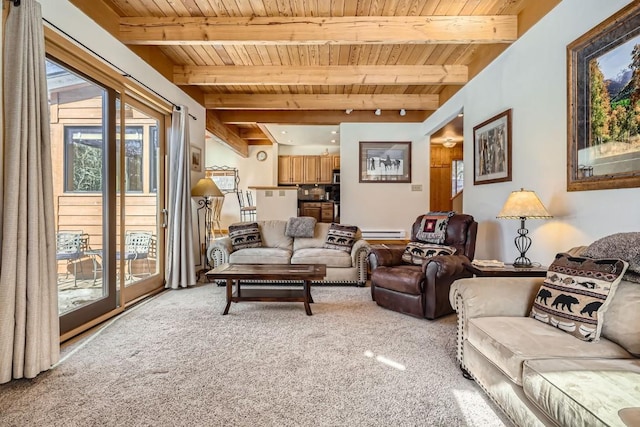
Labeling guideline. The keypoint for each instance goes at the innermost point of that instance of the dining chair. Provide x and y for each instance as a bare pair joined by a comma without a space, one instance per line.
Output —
247,212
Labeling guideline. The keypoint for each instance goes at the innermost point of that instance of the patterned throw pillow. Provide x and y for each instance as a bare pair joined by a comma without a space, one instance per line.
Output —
341,237
576,293
433,227
416,252
245,235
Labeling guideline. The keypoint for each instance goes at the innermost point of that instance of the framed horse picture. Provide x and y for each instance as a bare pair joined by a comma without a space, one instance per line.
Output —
385,162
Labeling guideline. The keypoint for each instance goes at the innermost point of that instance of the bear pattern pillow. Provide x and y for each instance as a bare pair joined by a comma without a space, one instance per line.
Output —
416,252
576,293
341,237
245,235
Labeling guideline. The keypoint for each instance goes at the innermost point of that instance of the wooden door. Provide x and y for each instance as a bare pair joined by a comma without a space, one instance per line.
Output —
440,176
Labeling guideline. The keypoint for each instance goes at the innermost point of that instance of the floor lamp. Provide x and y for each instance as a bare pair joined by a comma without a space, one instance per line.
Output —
211,199
521,205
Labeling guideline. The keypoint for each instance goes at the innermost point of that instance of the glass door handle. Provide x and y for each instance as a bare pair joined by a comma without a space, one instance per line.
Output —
165,218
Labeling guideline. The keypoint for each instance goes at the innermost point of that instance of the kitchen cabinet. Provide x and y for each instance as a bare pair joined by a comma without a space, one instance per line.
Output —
336,162
305,169
321,211
290,169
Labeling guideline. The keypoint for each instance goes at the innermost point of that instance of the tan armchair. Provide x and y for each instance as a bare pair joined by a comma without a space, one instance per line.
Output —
423,290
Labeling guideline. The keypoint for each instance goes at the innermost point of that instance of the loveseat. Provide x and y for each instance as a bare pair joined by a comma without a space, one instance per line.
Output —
277,248
541,375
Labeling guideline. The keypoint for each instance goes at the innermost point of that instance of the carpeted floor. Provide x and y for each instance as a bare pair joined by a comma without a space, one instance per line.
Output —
176,361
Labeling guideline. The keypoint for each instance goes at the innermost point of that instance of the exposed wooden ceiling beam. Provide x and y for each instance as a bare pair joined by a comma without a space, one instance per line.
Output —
323,117
320,101
252,134
232,139
318,30
320,75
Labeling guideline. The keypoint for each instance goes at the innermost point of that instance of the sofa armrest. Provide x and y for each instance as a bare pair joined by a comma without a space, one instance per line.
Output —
386,255
359,254
218,252
439,273
489,297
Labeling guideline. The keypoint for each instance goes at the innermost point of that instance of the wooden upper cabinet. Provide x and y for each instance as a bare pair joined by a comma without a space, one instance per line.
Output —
325,174
305,169
290,169
336,162
311,170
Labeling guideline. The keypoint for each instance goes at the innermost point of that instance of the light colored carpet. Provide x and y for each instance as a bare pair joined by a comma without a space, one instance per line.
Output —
176,361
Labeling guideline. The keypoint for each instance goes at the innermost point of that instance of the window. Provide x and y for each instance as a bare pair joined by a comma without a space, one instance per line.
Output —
84,154
457,176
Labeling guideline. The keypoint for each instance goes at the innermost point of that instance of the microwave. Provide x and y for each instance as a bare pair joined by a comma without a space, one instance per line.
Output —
336,177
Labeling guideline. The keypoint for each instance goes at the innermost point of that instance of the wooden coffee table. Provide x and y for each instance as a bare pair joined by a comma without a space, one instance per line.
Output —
238,272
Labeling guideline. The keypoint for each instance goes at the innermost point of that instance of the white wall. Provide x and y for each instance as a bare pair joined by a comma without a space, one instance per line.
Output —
380,206
531,78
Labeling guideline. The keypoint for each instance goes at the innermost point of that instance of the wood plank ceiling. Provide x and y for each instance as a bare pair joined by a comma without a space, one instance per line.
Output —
251,62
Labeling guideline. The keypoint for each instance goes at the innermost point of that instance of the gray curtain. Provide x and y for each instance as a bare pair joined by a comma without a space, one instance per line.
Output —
29,328
181,270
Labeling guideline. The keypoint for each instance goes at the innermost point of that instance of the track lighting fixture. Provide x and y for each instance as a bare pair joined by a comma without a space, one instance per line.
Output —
403,112
378,112
349,110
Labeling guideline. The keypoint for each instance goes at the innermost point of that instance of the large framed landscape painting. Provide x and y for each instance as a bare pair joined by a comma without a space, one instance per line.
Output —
603,148
385,162
492,150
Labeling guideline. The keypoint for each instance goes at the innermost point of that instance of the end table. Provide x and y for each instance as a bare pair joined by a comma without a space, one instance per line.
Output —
507,271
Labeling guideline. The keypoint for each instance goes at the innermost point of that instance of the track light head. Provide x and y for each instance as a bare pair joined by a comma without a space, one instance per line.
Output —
378,112
403,112
348,110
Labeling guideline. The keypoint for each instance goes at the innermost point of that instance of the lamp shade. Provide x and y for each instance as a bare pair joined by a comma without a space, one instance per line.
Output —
206,188
523,204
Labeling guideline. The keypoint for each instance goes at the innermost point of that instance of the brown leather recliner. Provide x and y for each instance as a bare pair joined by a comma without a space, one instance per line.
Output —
423,291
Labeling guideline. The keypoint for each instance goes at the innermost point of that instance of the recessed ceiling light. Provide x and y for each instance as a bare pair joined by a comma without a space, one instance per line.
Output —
333,132
333,141
460,114
283,132
291,140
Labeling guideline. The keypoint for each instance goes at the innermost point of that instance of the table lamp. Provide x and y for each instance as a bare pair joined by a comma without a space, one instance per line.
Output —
211,198
521,205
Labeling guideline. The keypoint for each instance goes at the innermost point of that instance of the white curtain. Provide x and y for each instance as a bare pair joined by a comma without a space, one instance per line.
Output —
29,328
181,270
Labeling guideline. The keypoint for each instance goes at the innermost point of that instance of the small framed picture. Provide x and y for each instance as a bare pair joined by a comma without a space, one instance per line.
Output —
196,159
492,150
385,162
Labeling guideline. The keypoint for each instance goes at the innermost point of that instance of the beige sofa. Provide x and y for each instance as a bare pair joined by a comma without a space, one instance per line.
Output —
277,248
540,375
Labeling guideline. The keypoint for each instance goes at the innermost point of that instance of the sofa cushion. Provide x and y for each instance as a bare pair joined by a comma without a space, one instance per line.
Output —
245,235
417,252
576,294
341,237
508,341
273,234
317,241
625,246
329,257
622,319
433,227
564,389
260,256
302,226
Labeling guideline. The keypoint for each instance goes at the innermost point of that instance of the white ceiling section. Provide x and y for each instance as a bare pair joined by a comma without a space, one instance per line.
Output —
305,134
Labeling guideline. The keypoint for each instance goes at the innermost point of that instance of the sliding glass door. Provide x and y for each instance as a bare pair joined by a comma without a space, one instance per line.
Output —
108,195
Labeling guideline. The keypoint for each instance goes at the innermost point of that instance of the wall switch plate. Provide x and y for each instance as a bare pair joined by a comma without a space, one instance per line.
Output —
416,187
268,193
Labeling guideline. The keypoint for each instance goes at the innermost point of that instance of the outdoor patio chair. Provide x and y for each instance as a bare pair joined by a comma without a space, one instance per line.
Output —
70,247
136,246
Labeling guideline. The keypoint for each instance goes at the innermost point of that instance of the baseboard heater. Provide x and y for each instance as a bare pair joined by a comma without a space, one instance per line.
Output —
383,234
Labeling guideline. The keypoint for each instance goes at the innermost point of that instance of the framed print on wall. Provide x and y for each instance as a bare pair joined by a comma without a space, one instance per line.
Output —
385,162
196,159
492,150
603,98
